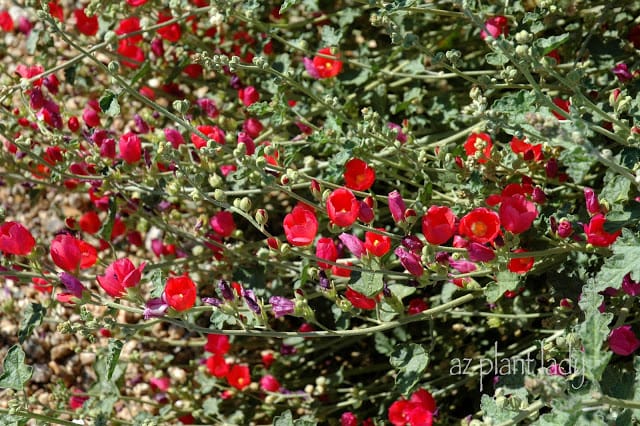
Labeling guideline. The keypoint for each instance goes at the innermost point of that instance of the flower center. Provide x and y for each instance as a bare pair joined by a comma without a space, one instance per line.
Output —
479,228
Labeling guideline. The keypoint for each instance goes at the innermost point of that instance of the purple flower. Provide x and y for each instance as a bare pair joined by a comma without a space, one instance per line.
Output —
311,68
622,72
593,205
208,106
629,286
564,228
141,125
413,243
72,284
281,306
480,253
353,243
155,308
623,340
463,266
410,261
252,302
213,301
225,290
397,206
174,137
402,138
324,282
366,213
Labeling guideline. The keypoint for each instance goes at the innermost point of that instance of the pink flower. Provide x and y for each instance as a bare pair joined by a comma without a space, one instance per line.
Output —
623,340
494,27
591,198
410,261
621,71
353,243
517,213
397,206
629,286
269,383
119,276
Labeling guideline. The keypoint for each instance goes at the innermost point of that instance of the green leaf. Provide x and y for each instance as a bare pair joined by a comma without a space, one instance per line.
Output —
636,395
32,41
593,331
107,225
490,410
549,43
626,252
578,162
330,36
286,4
410,360
115,347
33,315
367,283
285,419
11,420
496,59
109,104
505,281
16,372
211,407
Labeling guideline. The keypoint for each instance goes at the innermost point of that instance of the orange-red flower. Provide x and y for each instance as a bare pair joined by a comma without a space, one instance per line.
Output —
323,67
16,239
358,175
480,225
239,376
180,293
596,235
474,141
376,244
300,226
438,224
342,207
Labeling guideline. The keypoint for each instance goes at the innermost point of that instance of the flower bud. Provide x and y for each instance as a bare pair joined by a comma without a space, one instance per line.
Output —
261,216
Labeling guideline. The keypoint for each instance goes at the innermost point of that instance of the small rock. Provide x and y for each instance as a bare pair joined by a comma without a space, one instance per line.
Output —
60,352
87,358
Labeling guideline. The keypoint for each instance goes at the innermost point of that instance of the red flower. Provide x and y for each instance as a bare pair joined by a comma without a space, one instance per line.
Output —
239,376
248,95
70,253
376,244
119,276
217,344
211,132
517,213
16,239
323,67
359,300
529,151
85,24
416,306
180,293
76,401
494,27
300,226
269,383
438,224
217,365
358,175
223,223
130,25
326,249
417,411
520,265
342,207
136,3
90,222
55,10
42,285
6,21
596,235
130,51
172,32
473,143
130,148
480,225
